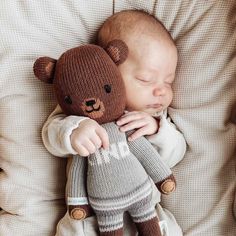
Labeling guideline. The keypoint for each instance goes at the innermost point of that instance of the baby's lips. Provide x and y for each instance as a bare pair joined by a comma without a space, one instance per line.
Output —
155,106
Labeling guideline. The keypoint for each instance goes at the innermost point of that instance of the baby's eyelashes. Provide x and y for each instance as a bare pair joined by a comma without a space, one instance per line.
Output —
143,79
146,81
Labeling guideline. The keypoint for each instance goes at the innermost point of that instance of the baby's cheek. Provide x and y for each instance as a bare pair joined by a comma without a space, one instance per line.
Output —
170,95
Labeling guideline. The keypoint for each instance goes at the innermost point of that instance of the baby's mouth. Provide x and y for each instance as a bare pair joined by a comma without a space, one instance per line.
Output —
155,106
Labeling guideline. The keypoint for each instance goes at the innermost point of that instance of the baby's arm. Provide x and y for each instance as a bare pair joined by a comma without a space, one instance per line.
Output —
64,135
164,136
169,142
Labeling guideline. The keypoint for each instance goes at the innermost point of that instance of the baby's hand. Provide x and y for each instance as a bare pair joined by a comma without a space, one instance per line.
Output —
88,137
142,122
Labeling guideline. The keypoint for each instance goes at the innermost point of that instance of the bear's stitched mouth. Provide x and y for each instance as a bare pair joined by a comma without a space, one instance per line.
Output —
92,107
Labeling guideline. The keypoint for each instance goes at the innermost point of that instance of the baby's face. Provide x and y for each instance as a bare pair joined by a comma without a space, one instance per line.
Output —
148,74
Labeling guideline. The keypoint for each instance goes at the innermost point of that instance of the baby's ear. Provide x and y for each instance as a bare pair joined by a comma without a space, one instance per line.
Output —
44,68
117,50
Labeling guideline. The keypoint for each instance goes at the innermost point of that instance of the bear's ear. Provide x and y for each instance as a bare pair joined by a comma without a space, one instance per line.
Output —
117,50
44,68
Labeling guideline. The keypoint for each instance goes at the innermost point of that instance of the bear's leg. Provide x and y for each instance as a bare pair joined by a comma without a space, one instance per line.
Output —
149,228
145,217
110,223
80,212
118,232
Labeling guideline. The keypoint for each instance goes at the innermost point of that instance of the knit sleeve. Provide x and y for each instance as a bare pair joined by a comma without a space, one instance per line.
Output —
169,142
76,193
150,159
57,130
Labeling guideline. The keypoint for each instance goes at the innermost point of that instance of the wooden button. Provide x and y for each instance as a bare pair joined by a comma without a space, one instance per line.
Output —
168,186
78,214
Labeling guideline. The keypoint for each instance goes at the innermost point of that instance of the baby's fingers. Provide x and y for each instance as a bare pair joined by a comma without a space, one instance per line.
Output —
135,124
137,134
129,117
96,140
90,146
81,150
102,134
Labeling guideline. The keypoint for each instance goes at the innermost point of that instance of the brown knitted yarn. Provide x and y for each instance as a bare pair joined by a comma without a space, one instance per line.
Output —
44,69
87,76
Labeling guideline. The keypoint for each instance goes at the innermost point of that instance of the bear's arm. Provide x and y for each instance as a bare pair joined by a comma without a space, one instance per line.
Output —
76,191
150,159
168,141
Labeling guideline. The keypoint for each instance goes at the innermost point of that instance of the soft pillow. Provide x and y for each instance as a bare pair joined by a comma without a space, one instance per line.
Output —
32,182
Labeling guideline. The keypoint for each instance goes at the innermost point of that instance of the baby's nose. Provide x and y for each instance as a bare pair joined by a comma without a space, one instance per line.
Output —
159,91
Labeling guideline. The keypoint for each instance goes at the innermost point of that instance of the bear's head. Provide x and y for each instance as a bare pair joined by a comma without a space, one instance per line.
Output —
87,81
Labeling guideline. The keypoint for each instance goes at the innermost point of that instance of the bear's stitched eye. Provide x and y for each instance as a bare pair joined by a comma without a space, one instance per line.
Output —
107,88
67,99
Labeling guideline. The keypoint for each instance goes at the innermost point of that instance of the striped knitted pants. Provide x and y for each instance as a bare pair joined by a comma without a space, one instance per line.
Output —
140,211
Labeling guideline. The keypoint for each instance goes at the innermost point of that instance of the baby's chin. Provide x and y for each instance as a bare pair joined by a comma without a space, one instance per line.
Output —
153,110
148,109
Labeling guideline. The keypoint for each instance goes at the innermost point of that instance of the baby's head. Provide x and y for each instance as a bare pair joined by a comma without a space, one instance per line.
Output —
149,70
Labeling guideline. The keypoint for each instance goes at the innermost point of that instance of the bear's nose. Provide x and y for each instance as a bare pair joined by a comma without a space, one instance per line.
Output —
90,102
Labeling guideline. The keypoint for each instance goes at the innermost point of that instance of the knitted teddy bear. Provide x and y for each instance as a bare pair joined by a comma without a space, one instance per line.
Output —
87,82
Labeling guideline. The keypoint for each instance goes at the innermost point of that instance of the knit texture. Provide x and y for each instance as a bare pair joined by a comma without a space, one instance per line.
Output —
117,180
79,68
152,227
77,173
121,157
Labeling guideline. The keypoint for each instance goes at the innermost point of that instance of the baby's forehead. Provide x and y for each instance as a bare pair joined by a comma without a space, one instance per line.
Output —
142,44
150,54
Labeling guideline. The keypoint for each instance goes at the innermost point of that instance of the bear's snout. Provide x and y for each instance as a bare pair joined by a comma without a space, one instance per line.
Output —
93,107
